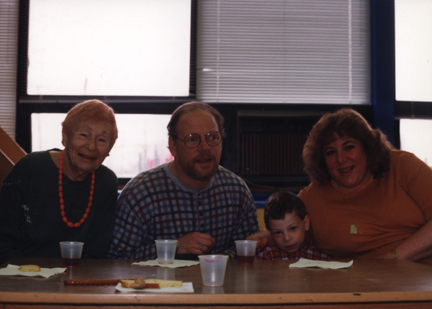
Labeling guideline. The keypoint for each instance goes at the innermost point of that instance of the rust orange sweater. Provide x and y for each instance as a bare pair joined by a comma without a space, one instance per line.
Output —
375,219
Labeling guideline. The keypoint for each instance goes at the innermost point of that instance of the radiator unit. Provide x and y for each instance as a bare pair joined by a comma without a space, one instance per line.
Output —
270,145
272,153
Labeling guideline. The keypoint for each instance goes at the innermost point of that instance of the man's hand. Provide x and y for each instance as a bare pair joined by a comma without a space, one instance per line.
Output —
195,243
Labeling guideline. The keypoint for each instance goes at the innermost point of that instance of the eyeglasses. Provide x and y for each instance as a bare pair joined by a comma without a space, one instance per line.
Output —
193,140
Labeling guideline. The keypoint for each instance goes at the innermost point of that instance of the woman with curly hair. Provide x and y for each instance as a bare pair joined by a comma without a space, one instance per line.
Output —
365,200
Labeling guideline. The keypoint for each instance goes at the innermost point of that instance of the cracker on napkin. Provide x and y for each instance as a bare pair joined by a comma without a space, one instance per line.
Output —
13,270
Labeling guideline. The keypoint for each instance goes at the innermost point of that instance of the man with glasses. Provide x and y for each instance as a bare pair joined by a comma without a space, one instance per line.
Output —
192,198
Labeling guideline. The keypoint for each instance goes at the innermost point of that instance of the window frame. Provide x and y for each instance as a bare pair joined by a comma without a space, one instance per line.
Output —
378,114
25,98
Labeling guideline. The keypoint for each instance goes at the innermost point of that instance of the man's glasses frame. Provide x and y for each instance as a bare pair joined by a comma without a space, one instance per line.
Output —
193,140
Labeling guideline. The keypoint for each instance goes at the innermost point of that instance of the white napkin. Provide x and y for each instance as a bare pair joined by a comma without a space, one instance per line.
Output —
177,263
186,287
321,264
12,270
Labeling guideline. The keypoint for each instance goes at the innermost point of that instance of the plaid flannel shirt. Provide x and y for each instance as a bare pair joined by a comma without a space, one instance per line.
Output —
156,205
307,251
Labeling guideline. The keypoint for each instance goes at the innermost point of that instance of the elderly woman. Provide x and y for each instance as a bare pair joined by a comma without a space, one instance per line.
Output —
56,195
365,200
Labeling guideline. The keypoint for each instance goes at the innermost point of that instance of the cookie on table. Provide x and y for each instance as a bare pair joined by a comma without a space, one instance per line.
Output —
29,268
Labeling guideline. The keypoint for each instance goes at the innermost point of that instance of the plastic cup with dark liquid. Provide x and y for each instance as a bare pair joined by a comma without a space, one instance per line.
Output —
246,251
71,253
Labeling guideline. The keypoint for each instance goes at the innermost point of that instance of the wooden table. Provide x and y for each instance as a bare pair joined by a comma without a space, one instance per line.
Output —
266,284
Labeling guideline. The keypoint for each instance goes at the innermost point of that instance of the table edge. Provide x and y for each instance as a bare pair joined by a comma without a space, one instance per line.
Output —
215,299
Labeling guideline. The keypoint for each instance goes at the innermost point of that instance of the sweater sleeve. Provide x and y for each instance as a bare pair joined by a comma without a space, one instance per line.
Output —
99,238
248,224
416,179
129,239
12,209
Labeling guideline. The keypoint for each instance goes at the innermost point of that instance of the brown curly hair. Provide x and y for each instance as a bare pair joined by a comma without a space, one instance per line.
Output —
345,122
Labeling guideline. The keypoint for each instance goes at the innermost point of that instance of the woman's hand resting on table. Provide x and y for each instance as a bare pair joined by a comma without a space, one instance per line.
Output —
387,255
264,239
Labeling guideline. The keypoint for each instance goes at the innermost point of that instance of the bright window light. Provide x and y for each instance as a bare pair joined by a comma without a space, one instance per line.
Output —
138,148
109,47
413,35
421,145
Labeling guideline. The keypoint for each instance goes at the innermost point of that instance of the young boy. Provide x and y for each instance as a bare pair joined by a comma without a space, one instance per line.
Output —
286,219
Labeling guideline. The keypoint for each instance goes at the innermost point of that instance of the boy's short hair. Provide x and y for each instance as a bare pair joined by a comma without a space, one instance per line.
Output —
282,202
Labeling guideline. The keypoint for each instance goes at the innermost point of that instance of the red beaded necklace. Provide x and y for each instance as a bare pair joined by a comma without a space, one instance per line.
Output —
60,188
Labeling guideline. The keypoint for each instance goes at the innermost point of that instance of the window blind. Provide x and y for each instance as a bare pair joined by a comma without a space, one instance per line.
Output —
9,11
282,51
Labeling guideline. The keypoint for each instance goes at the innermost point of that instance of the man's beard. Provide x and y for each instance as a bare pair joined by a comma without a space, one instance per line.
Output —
192,172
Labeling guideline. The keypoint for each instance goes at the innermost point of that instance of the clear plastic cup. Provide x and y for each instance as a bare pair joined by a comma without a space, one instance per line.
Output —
213,290
213,269
166,249
71,253
246,251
